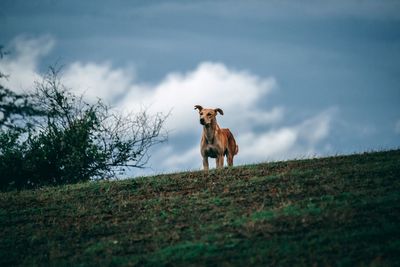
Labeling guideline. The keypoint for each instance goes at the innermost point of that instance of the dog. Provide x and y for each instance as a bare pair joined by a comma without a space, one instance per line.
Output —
215,142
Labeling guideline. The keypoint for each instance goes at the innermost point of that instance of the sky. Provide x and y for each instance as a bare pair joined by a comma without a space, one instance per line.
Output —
295,79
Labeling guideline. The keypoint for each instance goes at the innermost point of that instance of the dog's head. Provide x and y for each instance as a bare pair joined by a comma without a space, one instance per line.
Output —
207,115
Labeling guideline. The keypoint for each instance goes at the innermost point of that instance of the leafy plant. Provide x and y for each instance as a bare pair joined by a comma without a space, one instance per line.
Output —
54,137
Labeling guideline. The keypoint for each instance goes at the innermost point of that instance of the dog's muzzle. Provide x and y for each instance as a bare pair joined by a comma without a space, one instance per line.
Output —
202,121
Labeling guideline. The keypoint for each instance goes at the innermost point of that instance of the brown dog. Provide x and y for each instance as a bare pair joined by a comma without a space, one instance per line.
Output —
215,142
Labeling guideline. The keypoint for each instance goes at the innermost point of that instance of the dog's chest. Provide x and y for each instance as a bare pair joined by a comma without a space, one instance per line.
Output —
211,151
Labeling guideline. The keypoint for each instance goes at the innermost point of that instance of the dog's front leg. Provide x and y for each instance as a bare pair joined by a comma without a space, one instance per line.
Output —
220,161
205,163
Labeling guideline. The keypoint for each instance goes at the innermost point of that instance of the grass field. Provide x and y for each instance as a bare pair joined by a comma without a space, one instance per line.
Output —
338,211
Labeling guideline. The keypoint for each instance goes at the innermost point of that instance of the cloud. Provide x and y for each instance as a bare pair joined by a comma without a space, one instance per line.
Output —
260,130
22,64
260,146
210,85
315,129
297,140
98,80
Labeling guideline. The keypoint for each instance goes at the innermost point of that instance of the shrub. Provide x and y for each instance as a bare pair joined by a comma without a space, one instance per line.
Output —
57,138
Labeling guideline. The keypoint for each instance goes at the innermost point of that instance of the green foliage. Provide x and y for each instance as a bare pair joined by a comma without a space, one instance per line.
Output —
339,211
15,108
11,159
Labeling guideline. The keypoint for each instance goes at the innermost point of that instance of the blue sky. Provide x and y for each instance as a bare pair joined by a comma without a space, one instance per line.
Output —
295,78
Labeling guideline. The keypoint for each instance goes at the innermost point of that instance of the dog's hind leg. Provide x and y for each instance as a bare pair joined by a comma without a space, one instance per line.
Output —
229,158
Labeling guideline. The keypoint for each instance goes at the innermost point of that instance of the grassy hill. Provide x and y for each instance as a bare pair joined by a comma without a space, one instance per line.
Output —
338,211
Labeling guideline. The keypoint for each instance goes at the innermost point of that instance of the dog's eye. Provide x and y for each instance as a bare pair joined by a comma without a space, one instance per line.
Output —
201,113
209,114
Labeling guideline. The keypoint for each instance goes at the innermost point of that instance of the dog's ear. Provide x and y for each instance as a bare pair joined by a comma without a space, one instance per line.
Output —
219,110
198,107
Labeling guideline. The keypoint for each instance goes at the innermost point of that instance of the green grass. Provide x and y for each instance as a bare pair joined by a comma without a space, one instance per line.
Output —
338,211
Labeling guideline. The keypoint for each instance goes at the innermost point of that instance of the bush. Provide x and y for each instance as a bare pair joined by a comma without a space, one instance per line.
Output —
63,139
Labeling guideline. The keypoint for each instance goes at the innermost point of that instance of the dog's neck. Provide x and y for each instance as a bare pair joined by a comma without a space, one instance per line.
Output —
210,130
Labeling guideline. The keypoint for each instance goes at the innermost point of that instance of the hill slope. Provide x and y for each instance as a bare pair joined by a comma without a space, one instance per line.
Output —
331,211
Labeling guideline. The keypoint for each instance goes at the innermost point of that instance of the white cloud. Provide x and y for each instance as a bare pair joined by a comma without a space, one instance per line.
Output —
298,140
210,85
98,80
314,129
259,146
22,64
